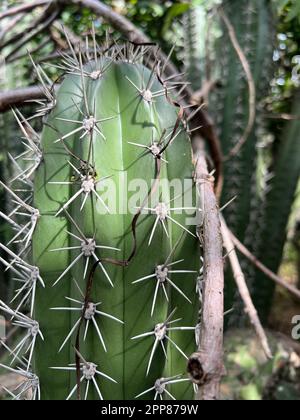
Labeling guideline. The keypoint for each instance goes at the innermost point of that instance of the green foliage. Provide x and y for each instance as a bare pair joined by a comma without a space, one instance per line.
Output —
253,378
291,8
176,10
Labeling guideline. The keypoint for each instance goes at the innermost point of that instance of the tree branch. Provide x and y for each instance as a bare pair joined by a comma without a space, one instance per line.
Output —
19,96
243,289
23,8
206,366
278,280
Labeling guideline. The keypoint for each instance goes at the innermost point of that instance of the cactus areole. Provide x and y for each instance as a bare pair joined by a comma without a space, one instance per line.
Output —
113,238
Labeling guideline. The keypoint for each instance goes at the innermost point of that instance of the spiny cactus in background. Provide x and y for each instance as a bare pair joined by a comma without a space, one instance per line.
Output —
254,28
264,192
194,50
107,289
285,170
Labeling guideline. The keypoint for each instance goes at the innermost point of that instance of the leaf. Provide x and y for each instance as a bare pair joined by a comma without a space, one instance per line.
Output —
243,359
294,12
251,393
176,10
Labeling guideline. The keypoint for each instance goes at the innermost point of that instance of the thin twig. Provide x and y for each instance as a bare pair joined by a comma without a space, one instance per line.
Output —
251,84
243,289
278,280
206,366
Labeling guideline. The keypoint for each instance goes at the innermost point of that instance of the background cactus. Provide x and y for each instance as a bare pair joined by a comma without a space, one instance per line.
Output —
250,213
254,28
132,300
259,214
278,203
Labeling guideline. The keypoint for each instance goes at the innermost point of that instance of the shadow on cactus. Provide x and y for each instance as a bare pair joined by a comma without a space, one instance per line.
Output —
103,245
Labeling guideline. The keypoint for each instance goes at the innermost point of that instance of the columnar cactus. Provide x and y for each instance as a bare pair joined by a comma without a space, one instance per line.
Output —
254,28
108,286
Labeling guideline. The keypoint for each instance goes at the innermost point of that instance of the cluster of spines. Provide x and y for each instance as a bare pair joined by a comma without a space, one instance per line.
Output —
24,218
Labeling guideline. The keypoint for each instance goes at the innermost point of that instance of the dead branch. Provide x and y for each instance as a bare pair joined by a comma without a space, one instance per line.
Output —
17,97
278,280
250,80
206,366
23,8
243,289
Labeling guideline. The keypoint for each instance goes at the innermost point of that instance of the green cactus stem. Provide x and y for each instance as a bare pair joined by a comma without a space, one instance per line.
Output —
111,240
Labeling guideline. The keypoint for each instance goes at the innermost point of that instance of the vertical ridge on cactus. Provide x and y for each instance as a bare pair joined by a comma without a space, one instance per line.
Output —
106,211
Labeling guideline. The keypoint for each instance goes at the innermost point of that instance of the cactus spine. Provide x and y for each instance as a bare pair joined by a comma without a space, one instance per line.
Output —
129,316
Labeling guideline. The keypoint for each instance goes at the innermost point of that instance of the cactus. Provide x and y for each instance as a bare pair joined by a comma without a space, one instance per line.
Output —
254,27
278,204
259,214
110,293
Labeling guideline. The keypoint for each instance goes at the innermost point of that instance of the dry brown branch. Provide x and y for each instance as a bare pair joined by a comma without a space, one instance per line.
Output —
278,280
19,96
243,289
251,84
206,366
23,8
